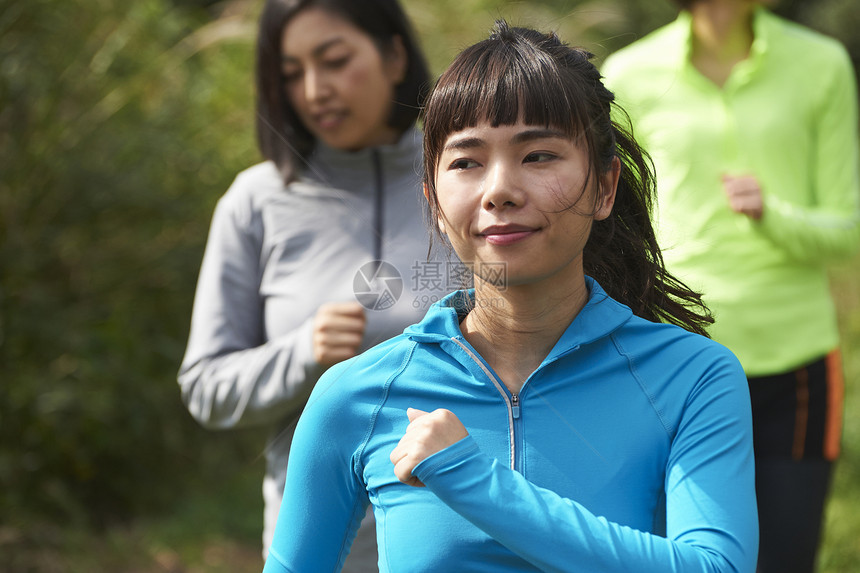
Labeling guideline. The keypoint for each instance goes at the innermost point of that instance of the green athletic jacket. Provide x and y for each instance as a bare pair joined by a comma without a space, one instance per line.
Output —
788,116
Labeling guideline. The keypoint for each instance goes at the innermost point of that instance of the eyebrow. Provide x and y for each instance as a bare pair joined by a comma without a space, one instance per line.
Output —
532,134
318,51
462,143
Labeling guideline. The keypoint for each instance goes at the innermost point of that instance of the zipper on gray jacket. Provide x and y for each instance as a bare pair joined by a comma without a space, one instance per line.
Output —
379,206
513,408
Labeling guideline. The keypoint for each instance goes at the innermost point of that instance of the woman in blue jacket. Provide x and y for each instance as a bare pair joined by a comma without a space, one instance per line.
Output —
549,419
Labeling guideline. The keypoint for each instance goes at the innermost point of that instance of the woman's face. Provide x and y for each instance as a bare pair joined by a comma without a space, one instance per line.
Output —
338,81
516,196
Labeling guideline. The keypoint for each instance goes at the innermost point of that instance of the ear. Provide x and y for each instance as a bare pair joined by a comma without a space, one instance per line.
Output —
440,223
396,61
607,189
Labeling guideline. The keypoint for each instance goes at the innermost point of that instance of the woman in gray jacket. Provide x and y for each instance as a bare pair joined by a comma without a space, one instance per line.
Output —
320,251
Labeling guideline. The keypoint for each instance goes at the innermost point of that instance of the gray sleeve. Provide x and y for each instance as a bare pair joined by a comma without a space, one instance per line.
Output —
231,375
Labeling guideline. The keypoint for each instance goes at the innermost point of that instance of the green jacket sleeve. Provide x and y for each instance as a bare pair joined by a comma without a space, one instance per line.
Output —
829,230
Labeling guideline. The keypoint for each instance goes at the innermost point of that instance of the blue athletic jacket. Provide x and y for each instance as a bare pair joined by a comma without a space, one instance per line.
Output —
628,449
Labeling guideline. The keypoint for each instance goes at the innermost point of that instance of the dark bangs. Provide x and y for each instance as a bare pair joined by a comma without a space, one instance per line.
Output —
501,80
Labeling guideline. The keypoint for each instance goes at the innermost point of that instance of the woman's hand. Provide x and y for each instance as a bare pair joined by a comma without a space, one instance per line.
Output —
426,434
338,330
744,195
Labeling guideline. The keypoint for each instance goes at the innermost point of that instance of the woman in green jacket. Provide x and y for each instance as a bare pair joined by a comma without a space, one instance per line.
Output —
752,124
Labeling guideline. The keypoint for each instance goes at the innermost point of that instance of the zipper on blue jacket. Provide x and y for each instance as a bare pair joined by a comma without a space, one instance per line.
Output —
513,404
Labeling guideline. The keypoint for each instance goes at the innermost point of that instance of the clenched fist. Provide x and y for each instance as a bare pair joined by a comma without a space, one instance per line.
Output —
426,434
338,330
744,195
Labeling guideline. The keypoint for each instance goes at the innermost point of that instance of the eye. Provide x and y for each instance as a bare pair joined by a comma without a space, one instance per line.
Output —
539,157
291,75
337,62
462,164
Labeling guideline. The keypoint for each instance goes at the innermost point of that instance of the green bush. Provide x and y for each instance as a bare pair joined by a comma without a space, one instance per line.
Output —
121,124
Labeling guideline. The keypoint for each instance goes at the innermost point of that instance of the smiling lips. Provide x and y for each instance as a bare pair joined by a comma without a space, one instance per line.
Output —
328,119
507,234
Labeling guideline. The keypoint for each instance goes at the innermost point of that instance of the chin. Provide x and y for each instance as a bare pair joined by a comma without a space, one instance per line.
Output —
342,143
501,277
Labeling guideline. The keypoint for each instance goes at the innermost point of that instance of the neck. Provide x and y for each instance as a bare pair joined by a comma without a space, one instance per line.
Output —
516,328
722,35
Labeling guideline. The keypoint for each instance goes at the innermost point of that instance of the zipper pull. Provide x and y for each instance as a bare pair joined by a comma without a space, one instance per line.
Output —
515,406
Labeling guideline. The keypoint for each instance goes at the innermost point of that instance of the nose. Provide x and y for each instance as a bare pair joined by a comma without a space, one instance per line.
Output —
501,188
316,87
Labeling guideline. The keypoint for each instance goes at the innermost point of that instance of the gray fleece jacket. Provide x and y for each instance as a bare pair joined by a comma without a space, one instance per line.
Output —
275,253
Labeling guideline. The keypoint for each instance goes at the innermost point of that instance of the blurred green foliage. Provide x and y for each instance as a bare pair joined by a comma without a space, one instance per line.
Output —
121,123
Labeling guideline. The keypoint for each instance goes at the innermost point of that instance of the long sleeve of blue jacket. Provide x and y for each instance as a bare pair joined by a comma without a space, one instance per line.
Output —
324,498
